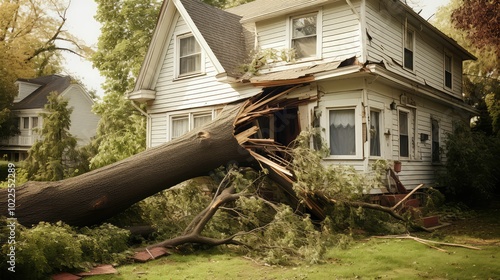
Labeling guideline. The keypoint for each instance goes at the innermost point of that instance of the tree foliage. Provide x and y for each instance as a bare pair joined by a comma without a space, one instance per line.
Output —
481,22
30,36
127,27
53,157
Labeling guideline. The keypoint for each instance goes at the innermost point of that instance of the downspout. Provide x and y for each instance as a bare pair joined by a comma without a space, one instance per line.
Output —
148,123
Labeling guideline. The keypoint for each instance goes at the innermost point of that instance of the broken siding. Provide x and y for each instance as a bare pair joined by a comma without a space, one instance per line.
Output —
341,32
177,94
386,27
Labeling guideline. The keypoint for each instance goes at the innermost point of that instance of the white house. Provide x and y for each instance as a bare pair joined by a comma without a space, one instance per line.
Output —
389,84
30,102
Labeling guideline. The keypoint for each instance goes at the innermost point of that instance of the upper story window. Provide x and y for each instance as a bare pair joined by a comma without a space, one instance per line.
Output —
189,56
409,48
304,35
448,77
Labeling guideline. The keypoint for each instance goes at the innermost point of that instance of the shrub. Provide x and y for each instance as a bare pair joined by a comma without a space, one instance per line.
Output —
50,248
472,167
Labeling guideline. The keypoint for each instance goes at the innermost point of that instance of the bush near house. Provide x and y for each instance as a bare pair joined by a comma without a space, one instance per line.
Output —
471,171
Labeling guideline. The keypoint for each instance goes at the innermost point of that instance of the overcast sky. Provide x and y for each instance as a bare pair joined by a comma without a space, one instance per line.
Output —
82,24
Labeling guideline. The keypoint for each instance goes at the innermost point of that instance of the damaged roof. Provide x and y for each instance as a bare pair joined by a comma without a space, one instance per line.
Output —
38,98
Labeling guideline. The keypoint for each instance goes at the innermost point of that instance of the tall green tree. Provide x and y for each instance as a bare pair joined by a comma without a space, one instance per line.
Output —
127,27
30,32
53,157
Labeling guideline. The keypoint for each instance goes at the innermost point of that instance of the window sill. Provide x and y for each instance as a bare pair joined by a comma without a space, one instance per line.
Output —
332,158
186,77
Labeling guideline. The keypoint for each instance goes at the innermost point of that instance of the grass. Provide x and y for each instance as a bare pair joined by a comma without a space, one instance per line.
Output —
365,259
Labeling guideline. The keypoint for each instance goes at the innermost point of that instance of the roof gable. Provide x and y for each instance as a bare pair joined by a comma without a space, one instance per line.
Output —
222,32
38,98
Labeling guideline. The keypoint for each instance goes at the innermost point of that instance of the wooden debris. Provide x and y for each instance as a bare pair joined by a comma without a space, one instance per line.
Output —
427,242
406,197
99,270
150,254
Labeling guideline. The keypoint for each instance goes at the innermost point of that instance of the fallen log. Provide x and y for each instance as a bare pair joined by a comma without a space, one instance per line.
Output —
98,195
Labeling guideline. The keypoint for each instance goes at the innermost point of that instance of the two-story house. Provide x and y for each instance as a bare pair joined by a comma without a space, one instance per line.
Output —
389,84
30,102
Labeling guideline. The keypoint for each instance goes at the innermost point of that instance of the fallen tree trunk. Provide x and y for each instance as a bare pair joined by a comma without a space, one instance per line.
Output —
100,194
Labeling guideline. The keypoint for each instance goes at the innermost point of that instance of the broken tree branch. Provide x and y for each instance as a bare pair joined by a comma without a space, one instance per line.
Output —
426,242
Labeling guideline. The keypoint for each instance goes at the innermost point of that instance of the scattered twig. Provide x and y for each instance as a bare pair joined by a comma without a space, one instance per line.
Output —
427,242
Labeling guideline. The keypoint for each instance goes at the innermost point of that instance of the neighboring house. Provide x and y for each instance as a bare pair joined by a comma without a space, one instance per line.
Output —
30,102
389,84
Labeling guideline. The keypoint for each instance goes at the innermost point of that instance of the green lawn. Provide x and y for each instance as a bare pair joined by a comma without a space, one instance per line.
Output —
365,259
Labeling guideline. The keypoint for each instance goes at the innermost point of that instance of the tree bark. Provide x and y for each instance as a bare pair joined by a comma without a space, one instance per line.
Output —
100,194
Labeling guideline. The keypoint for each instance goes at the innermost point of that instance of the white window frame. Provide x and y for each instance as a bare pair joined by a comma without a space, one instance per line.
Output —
407,29
319,33
177,67
380,111
190,114
448,54
344,105
411,132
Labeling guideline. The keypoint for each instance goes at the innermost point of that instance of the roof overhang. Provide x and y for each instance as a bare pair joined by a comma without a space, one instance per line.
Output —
142,95
427,91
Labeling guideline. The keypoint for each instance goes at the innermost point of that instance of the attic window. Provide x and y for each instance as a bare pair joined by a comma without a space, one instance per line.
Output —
304,35
189,55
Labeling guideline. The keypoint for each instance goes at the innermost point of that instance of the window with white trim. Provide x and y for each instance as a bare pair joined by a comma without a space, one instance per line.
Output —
342,123
189,57
375,147
182,123
448,77
409,48
304,35
404,134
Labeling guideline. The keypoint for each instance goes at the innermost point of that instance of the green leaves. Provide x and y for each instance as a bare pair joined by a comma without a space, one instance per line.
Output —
52,157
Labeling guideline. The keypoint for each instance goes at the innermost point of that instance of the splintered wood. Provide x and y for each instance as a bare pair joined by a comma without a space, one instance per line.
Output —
267,152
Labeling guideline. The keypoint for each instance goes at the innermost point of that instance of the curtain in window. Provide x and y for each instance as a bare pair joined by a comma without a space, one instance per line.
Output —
342,132
199,120
180,125
374,133
190,56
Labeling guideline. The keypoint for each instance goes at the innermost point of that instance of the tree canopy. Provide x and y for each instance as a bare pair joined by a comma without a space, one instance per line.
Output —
30,33
51,158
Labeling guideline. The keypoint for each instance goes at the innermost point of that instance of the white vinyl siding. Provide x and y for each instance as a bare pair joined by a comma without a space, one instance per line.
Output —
198,91
386,29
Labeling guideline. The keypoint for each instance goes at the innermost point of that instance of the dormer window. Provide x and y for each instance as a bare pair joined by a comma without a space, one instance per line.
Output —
189,56
409,48
448,78
304,35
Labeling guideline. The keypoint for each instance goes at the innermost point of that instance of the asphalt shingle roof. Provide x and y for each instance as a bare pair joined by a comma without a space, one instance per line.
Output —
38,98
222,32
